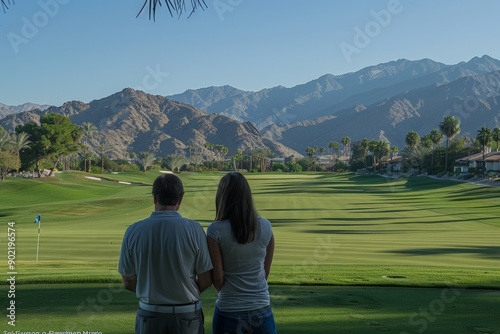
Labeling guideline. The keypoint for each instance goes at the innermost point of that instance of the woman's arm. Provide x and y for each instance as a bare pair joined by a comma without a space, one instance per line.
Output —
218,270
269,256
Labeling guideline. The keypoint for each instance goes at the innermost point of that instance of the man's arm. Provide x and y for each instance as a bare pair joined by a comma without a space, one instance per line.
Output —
130,282
204,280
218,271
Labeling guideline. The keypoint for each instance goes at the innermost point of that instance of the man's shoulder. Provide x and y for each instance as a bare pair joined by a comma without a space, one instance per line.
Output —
134,226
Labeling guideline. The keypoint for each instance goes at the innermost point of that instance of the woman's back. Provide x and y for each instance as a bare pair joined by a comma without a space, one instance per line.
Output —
245,286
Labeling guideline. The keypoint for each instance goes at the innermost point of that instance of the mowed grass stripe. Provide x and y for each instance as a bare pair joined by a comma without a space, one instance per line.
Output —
320,220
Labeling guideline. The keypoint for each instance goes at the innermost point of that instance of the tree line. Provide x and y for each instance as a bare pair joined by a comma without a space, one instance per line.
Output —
58,144
434,152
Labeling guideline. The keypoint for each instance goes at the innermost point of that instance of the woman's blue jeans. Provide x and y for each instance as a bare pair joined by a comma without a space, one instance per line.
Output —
259,321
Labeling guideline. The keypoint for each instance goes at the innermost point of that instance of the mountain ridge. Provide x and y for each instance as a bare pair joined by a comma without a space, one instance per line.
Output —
8,110
382,101
330,93
132,120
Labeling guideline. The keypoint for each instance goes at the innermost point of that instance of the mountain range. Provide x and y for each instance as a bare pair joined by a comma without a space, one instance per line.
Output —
132,120
7,110
384,101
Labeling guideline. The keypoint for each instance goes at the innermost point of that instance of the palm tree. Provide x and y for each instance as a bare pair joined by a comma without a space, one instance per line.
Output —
221,151
380,151
450,127
495,136
19,141
365,144
87,130
372,144
412,139
261,154
393,151
309,151
484,137
436,137
145,159
238,157
103,149
334,147
210,147
5,140
87,155
176,161
346,141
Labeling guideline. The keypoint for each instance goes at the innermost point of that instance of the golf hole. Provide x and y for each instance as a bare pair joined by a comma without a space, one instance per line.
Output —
395,276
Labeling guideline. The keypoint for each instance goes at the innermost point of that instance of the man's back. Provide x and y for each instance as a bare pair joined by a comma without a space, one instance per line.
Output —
165,261
166,252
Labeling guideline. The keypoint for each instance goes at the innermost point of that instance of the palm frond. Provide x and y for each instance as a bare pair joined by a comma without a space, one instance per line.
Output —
173,6
6,4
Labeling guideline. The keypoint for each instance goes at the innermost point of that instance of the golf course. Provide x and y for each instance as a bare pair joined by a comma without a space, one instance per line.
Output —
354,253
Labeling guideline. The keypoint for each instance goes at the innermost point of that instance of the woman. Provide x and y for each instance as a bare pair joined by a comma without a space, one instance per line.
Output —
241,246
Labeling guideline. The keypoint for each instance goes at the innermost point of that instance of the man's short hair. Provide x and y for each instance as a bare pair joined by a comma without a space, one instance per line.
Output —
168,189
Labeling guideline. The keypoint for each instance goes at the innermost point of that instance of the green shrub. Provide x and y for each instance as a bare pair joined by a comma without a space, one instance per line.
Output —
96,170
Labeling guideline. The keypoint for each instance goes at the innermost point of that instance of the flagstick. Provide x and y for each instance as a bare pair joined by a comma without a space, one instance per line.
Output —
38,242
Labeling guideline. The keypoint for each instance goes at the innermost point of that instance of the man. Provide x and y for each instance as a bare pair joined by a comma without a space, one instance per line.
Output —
165,260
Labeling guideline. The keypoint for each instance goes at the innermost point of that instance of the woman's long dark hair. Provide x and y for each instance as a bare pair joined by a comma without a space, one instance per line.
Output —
234,202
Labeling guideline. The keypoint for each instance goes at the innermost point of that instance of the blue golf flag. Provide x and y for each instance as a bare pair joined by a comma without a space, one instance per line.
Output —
37,219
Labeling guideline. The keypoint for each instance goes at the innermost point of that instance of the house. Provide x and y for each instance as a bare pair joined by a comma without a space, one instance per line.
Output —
394,164
475,161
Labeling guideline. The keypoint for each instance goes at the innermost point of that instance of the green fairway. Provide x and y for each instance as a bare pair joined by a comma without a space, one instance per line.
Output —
353,229
331,230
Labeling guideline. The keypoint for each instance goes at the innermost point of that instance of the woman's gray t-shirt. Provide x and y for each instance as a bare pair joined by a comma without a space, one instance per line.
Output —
245,287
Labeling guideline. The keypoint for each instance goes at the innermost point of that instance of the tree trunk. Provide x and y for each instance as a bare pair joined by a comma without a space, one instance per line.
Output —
483,169
446,158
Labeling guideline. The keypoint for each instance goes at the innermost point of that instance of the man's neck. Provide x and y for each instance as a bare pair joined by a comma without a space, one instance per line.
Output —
166,207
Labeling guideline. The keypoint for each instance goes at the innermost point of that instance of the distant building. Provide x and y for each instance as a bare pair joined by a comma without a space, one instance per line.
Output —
475,161
394,164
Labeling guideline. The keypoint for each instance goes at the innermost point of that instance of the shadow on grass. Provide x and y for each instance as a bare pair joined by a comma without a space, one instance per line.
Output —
358,231
297,309
490,252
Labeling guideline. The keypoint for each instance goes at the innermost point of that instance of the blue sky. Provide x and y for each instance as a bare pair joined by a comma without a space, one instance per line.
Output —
53,51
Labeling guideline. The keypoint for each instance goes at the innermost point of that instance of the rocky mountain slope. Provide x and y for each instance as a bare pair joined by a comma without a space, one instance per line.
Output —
135,121
383,101
331,93
474,100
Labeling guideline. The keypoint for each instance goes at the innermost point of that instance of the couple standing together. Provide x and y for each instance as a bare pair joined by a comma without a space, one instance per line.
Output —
167,261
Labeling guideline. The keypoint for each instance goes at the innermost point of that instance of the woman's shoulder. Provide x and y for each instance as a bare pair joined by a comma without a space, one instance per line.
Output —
263,220
265,223
219,224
